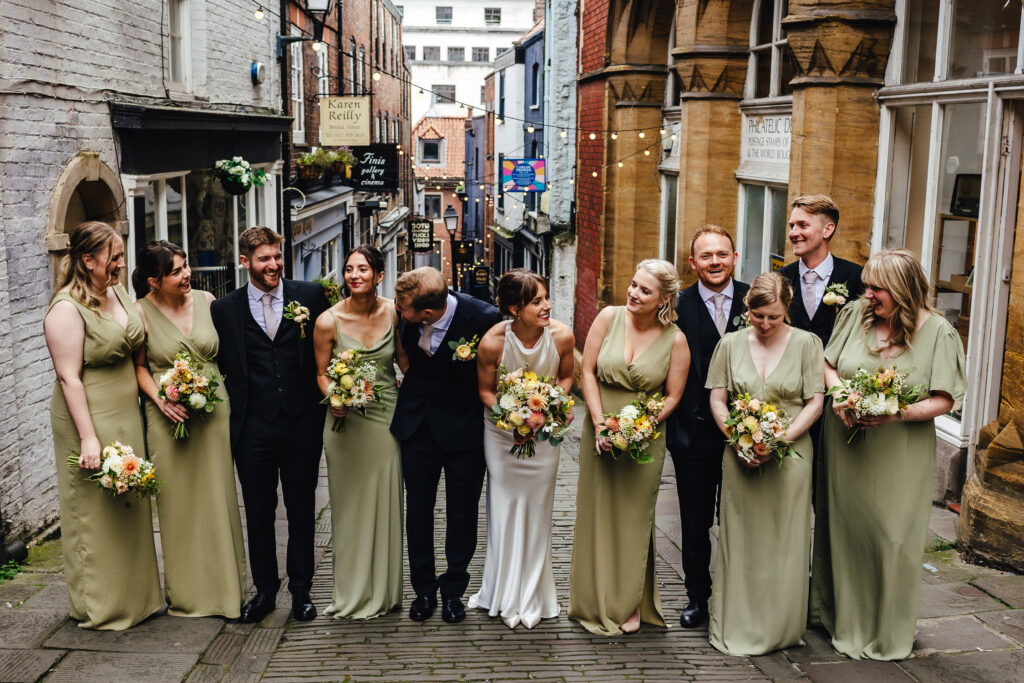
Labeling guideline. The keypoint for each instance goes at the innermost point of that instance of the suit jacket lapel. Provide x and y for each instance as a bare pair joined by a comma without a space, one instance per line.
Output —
799,310
449,334
239,309
288,293
735,308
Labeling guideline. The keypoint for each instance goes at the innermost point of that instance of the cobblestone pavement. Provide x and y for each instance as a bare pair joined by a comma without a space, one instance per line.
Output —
971,628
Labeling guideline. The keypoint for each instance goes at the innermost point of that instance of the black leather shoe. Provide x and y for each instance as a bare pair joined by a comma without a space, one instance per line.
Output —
452,610
694,615
256,609
423,607
302,607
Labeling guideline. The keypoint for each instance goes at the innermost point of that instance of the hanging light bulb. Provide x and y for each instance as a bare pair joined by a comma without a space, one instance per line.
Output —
592,136
316,46
530,128
647,152
401,153
563,134
258,13
594,174
421,91
498,121
572,181
642,135
620,164
662,131
376,75
481,186
673,136
615,135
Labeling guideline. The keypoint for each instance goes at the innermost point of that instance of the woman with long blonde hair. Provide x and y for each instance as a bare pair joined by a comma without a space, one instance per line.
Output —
92,330
880,486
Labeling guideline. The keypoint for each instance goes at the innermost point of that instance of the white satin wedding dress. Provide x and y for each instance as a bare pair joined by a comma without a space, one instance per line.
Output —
518,583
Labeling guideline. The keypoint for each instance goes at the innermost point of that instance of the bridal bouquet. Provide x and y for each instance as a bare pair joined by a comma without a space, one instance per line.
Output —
352,385
633,428
533,408
186,383
882,392
755,429
121,471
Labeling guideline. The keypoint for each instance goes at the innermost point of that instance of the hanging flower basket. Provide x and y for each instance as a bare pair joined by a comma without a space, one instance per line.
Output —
237,175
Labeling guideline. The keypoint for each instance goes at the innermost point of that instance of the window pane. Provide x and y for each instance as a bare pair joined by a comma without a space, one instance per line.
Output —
763,72
670,183
145,219
985,34
904,220
788,70
481,54
443,15
765,21
211,235
431,53
410,52
780,222
492,15
962,139
173,195
456,54
443,93
753,230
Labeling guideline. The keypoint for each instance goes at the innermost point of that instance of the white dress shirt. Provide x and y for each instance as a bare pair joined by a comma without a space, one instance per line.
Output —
440,328
707,294
256,303
824,271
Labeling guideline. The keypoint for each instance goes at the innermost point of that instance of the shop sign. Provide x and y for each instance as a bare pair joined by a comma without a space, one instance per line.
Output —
775,262
301,228
481,276
421,235
344,121
523,175
767,138
376,168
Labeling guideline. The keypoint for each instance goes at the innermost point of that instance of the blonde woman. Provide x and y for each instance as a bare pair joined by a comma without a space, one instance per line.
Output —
629,349
92,330
879,487
759,595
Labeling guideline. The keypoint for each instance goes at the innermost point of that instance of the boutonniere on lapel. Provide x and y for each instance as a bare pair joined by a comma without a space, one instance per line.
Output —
464,350
742,320
299,313
836,294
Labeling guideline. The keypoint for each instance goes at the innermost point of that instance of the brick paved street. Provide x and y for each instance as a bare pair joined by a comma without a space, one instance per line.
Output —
971,628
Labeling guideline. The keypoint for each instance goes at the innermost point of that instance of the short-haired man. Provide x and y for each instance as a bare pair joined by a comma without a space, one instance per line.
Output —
439,421
276,417
707,310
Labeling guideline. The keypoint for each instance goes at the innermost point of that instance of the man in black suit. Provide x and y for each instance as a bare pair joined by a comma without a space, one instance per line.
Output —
276,417
439,420
707,310
812,224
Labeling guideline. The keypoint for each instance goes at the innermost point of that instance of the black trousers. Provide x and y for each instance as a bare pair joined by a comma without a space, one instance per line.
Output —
289,447
698,478
422,462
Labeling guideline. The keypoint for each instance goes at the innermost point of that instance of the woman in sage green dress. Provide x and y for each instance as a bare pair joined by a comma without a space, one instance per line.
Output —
880,486
364,465
91,331
200,526
759,598
629,350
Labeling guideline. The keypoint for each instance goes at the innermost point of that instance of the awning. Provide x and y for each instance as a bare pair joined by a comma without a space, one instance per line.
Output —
394,216
501,232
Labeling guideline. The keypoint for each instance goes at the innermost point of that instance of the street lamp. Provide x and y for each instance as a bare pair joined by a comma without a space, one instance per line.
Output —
318,10
451,224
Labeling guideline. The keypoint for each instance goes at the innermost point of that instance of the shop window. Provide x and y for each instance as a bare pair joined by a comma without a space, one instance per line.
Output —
432,205
765,217
443,15
771,65
179,63
456,54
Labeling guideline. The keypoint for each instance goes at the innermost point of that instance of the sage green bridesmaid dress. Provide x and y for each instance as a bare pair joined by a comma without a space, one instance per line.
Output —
364,479
612,567
879,496
109,553
200,525
759,594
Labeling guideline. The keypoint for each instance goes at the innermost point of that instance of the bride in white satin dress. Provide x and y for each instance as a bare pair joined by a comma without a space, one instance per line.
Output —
518,583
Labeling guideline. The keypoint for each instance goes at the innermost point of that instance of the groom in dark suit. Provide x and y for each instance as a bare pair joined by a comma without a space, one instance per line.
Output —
707,310
276,417
439,420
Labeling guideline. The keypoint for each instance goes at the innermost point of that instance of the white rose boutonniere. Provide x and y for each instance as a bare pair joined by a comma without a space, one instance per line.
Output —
836,294
299,313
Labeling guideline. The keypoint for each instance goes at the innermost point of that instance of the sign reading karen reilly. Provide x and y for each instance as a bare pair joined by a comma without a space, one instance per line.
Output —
344,121
376,168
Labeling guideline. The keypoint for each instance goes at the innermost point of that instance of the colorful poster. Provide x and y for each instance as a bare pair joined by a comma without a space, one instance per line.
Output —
523,175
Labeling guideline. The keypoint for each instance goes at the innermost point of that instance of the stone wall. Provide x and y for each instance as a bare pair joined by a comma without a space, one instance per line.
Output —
63,61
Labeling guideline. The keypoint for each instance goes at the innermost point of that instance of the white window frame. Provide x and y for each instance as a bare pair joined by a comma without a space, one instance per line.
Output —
778,44
181,10
323,73
664,252
742,245
296,94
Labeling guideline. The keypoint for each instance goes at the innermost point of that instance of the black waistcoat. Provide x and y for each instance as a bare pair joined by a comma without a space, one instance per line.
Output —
275,373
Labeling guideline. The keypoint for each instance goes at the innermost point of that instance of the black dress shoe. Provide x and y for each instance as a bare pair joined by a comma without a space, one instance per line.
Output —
452,610
423,607
302,607
694,614
256,609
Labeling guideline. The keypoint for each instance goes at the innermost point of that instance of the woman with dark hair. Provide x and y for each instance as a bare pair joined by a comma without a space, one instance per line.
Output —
364,465
759,595
200,526
880,484
91,331
518,583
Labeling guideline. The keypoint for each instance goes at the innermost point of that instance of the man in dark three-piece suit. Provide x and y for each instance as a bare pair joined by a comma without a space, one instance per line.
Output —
439,421
276,417
707,310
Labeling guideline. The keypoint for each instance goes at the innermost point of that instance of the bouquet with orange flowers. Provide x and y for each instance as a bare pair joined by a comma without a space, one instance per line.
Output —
882,392
352,385
187,384
755,430
533,408
633,428
121,471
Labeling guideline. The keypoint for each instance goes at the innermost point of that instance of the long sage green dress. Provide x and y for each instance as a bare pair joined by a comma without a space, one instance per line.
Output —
364,478
109,553
612,568
200,526
879,496
759,595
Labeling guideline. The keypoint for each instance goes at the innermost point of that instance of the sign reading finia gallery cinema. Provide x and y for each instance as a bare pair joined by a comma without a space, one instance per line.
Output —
344,121
376,168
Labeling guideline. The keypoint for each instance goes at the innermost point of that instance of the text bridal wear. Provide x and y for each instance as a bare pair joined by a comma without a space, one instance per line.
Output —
200,526
109,553
518,582
364,469
613,545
